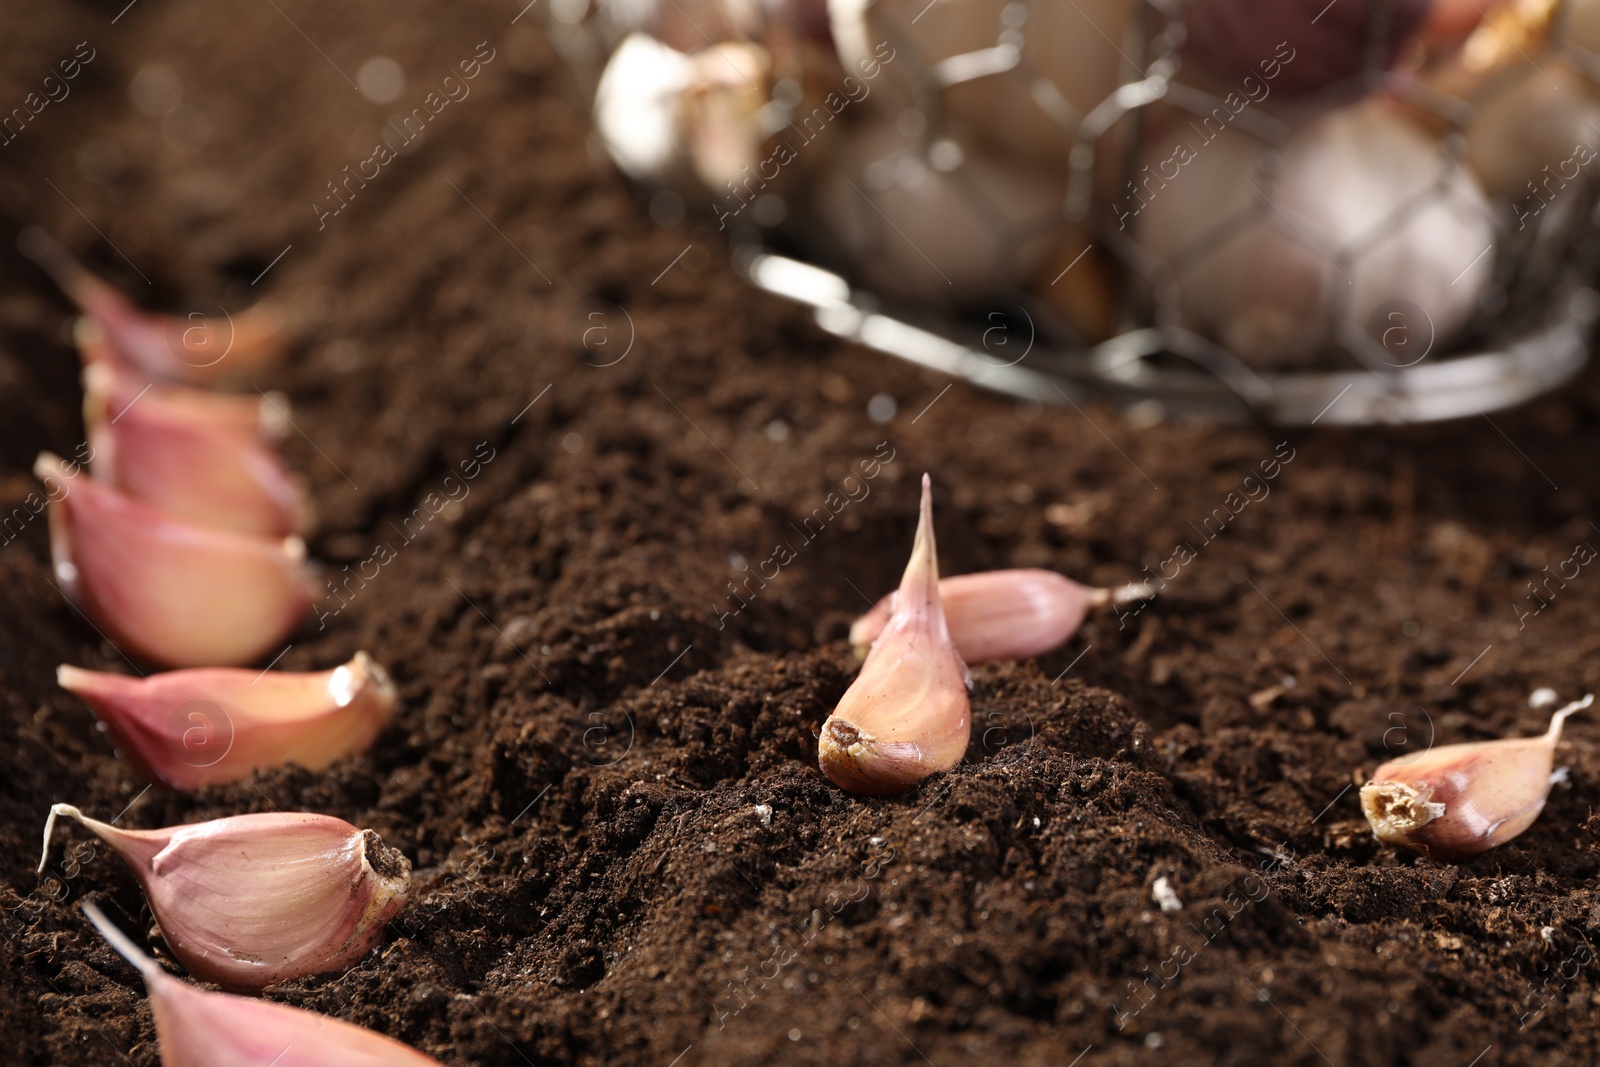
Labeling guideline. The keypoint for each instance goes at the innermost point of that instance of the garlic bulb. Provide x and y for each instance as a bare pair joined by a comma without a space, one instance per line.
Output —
257,899
186,465
1529,140
944,223
1017,77
638,110
906,716
1455,801
197,1028
192,728
200,349
1364,211
170,591
1001,615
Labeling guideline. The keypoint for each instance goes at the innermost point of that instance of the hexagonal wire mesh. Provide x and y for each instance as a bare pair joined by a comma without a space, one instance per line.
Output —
1149,200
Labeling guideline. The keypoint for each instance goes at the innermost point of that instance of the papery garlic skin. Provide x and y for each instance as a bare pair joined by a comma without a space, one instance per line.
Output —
1456,801
169,591
907,714
200,349
256,899
186,465
998,615
197,1028
192,728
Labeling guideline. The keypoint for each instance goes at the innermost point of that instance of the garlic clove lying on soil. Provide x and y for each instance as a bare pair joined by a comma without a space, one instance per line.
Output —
200,349
1009,614
265,415
193,728
256,899
198,1028
1455,801
186,466
170,591
906,715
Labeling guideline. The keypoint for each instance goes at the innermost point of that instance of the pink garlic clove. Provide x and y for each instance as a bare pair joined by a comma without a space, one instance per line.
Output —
997,615
192,728
257,899
197,1028
199,349
186,466
906,716
170,591
1455,801
264,415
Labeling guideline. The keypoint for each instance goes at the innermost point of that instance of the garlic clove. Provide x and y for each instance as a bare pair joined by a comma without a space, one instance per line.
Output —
1008,614
730,85
200,349
192,728
198,1028
906,715
170,591
265,415
1455,801
186,466
256,899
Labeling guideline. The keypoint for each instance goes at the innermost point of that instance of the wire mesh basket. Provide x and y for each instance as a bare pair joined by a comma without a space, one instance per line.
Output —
1353,212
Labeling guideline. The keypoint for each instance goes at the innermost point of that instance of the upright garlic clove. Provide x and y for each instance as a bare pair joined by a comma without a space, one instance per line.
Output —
194,728
256,899
170,591
1455,801
200,349
265,415
197,1028
906,715
186,466
1009,614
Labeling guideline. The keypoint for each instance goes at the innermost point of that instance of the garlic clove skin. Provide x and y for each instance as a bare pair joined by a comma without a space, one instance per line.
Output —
265,415
193,728
186,466
256,899
169,591
199,349
906,715
198,1028
1456,801
1004,615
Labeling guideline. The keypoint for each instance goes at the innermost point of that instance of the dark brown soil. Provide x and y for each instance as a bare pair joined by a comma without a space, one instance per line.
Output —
624,853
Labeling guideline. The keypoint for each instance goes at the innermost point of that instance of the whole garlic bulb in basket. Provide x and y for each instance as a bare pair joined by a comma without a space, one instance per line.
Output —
1365,210
1028,72
941,223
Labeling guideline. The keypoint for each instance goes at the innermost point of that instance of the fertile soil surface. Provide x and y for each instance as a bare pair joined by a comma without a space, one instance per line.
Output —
605,774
